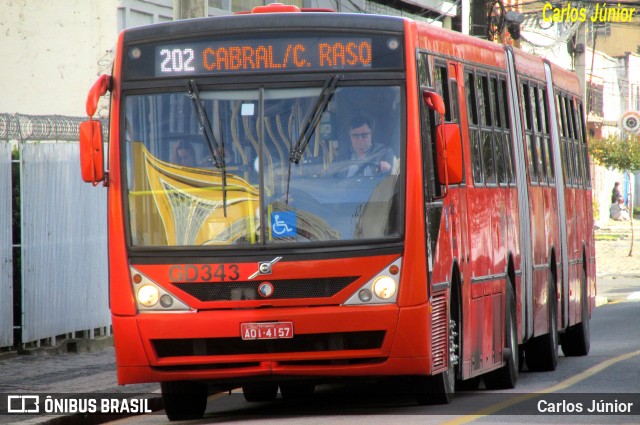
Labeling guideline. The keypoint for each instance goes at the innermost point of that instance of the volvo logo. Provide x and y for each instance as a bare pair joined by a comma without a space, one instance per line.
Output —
265,289
265,267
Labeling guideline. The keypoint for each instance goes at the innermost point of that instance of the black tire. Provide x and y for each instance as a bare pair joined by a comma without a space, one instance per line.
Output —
184,400
437,389
576,341
541,352
297,390
263,391
507,376
440,388
471,384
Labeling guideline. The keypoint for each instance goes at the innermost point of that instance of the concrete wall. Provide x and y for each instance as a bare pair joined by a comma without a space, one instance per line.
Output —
53,52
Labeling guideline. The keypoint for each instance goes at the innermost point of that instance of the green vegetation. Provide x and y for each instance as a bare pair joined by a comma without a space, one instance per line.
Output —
621,152
607,237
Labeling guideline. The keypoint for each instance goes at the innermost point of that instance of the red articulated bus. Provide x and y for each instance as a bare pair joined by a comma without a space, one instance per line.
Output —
300,196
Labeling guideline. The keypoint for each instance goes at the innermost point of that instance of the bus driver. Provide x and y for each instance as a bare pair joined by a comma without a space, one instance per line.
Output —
367,159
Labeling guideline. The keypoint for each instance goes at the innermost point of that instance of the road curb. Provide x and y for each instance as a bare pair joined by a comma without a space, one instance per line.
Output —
600,300
69,345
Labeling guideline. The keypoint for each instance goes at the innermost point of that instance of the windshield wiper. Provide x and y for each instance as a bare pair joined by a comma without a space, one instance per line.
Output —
216,150
323,100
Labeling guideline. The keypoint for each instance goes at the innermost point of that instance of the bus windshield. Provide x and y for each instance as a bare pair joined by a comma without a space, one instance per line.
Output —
254,166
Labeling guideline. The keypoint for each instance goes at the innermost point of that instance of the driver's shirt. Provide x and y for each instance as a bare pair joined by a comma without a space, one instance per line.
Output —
375,155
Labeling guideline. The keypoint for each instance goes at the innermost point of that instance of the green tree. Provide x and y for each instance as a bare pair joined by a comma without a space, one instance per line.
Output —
621,152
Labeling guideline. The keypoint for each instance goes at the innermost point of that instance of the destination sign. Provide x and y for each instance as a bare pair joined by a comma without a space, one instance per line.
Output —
281,54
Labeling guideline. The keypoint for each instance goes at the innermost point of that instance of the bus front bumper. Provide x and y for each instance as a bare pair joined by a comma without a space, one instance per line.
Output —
333,341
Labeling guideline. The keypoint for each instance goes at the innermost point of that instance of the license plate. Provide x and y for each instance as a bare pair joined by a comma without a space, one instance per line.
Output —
269,330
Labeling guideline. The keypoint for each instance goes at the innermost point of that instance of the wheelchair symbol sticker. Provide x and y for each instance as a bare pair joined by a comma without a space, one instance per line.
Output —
283,224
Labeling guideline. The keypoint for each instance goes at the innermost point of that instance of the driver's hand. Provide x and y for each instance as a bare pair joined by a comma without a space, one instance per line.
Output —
385,167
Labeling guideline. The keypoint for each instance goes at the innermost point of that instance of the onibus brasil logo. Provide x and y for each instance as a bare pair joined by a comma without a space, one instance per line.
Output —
69,404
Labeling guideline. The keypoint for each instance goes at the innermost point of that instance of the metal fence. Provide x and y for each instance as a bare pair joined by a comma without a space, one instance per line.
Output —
62,286
6,261
38,127
21,127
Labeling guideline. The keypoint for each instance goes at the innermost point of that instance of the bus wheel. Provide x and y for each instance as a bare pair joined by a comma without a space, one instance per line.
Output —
507,375
471,384
184,400
297,390
439,389
263,391
576,341
541,352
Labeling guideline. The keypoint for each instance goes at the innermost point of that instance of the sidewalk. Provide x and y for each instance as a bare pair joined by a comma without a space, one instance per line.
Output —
613,242
93,371
81,374
618,274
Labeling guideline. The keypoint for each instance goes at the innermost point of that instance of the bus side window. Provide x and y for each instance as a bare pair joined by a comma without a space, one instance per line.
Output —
455,107
498,110
539,137
428,118
474,132
566,142
486,131
442,88
530,137
423,70
583,144
506,136
544,110
577,150
580,173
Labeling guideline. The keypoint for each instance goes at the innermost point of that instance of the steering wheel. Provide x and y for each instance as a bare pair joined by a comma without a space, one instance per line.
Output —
373,165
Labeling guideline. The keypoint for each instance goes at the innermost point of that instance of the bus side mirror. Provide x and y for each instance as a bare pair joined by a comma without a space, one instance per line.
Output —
98,90
449,153
433,101
91,156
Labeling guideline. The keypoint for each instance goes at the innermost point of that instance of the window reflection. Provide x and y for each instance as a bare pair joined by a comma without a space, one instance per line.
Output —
183,191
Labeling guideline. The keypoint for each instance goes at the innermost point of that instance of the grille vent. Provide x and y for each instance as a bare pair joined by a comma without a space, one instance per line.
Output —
364,340
439,321
282,289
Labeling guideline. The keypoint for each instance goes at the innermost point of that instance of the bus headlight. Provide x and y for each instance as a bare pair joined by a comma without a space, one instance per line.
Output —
153,298
384,287
380,289
148,295
365,295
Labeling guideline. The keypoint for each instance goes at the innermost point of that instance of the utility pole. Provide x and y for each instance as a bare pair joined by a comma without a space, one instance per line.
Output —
186,9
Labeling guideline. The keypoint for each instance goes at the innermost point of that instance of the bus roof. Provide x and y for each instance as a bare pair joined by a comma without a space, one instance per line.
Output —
265,21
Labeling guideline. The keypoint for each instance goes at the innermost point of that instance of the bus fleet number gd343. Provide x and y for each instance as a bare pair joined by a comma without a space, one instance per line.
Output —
204,272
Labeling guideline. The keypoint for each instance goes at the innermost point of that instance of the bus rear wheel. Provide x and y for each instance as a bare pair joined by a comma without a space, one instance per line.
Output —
184,400
297,390
576,341
541,352
507,375
437,389
262,391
